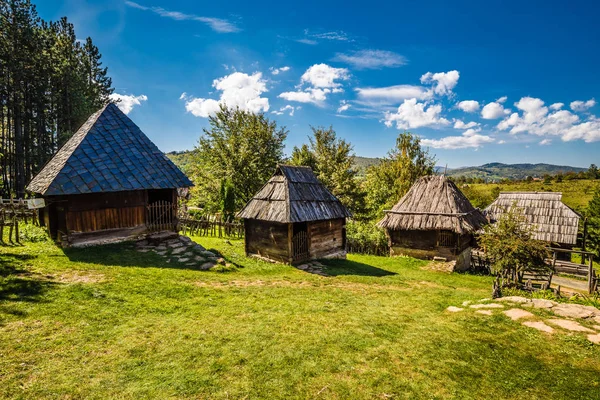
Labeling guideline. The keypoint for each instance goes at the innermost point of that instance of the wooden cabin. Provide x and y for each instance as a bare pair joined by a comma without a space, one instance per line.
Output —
552,221
294,218
109,182
434,219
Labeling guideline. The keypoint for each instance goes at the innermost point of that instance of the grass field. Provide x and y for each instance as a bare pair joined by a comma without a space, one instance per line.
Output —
110,322
576,193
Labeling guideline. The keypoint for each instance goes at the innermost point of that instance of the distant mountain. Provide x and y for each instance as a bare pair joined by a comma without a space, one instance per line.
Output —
490,172
496,171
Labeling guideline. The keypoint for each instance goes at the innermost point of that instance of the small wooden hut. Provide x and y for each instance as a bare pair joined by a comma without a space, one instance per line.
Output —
434,219
109,182
294,218
552,221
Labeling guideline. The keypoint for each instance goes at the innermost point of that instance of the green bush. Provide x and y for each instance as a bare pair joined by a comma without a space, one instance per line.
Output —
32,233
366,238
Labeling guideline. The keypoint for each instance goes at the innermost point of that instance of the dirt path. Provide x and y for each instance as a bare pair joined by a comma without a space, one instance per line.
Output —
570,283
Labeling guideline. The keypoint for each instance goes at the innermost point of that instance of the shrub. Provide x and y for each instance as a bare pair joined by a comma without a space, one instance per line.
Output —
365,237
32,233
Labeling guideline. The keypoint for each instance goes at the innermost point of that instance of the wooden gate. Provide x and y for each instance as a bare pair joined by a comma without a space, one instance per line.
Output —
300,247
161,216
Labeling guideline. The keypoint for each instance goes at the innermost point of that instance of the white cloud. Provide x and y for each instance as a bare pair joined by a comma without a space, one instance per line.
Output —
310,95
237,90
501,141
469,139
493,110
459,124
276,71
319,80
469,106
546,142
412,114
127,102
557,106
324,76
393,94
183,96
443,82
344,106
340,36
287,108
580,106
502,99
216,24
371,59
307,41
535,119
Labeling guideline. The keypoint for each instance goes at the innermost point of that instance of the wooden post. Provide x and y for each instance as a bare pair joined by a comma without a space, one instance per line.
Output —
290,246
591,276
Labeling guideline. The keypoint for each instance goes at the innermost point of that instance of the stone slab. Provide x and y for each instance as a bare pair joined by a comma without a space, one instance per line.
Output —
594,338
575,311
484,312
517,313
569,325
491,305
454,309
514,299
539,325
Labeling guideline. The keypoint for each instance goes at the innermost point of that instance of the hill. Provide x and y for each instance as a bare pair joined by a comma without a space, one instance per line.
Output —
490,172
497,171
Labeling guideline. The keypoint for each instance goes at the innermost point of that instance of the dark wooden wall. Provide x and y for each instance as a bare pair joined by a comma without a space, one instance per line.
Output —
424,244
267,239
326,237
95,212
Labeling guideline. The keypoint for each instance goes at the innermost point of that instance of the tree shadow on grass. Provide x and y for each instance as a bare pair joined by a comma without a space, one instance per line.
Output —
125,255
17,284
347,267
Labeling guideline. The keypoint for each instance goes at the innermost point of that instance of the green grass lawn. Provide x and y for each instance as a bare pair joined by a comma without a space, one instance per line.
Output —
110,322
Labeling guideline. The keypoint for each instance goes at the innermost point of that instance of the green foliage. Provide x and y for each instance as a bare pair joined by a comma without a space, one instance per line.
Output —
365,237
228,199
593,172
32,233
332,160
51,83
240,147
593,223
509,243
389,180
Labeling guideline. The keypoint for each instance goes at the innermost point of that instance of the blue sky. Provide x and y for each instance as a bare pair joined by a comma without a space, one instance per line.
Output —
479,81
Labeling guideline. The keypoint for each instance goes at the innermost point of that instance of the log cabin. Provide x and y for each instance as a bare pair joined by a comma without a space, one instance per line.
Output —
294,218
433,220
551,220
108,183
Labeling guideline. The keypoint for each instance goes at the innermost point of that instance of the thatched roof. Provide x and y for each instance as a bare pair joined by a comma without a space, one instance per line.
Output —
434,203
552,220
108,153
294,194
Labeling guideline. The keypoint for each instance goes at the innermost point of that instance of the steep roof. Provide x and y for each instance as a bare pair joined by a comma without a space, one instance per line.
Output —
108,153
293,194
434,203
552,220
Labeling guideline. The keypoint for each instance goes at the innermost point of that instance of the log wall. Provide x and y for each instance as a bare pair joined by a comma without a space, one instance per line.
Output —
327,238
267,239
102,211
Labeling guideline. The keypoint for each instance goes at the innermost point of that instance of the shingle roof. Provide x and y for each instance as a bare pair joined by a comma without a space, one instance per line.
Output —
552,220
294,194
108,153
434,203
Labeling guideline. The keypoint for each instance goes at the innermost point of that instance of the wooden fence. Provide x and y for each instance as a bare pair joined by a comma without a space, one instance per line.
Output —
210,225
161,216
13,211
